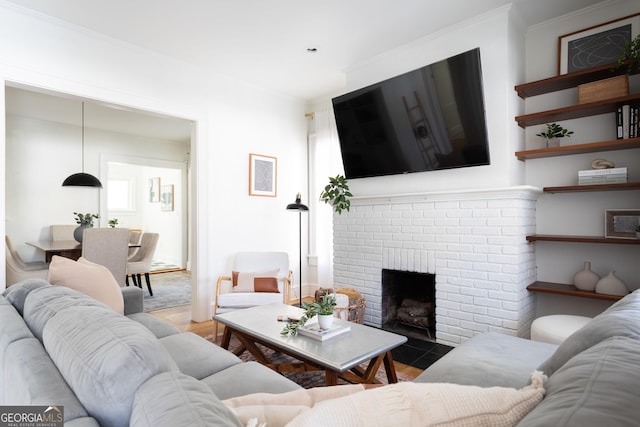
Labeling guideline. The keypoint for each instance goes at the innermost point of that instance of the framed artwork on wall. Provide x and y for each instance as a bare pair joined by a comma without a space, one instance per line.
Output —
262,175
598,45
166,198
621,223
154,190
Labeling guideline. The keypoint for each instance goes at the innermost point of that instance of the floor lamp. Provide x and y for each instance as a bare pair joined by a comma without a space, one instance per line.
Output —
298,206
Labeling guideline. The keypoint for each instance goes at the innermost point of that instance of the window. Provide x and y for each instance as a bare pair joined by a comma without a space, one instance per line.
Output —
120,195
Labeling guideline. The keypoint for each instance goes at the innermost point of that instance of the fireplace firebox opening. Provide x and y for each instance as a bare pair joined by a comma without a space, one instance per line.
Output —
409,303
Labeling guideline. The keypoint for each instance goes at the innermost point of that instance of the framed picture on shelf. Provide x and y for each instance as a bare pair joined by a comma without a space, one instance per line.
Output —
154,190
621,223
262,175
598,45
166,198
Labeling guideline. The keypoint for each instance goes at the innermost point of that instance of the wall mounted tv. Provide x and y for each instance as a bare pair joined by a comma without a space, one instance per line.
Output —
427,119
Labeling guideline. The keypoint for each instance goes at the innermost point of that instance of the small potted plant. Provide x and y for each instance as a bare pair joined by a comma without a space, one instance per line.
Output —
113,222
553,132
323,308
337,194
84,221
630,55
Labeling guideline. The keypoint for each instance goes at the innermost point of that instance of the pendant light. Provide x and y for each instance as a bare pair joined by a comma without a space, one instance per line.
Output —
82,179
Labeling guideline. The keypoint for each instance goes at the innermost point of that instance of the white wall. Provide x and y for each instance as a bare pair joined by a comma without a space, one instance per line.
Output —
232,119
576,213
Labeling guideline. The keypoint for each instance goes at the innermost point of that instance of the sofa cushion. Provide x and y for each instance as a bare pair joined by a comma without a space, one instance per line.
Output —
31,378
225,384
202,359
44,303
16,294
13,329
156,326
91,279
487,360
617,320
247,299
598,387
174,399
104,357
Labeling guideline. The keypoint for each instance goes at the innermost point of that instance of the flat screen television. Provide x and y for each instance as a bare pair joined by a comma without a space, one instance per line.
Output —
427,119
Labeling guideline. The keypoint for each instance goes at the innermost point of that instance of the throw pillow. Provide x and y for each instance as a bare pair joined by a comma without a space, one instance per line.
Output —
89,278
263,281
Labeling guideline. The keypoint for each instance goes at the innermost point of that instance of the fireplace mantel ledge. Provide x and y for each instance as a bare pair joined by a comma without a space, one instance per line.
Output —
517,192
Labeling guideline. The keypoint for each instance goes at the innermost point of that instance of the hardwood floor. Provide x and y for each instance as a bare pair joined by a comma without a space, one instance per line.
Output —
180,317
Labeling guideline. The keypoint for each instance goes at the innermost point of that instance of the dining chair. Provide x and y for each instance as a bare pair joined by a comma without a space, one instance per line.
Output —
141,262
62,231
17,269
135,236
108,247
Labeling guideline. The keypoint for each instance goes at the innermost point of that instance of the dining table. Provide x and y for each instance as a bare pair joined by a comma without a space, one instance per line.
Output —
67,248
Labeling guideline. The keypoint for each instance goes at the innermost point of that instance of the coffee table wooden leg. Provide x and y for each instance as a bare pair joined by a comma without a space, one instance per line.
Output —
331,377
226,338
390,368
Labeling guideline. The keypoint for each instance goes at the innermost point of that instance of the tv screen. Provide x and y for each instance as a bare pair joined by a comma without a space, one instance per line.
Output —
427,119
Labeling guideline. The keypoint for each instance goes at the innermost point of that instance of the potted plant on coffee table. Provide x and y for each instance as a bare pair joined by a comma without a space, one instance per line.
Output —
323,308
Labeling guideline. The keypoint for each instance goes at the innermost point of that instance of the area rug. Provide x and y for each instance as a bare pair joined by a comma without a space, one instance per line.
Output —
312,378
170,289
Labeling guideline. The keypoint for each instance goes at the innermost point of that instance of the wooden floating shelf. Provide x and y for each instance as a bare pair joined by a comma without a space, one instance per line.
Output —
593,147
576,111
595,187
568,290
581,239
569,80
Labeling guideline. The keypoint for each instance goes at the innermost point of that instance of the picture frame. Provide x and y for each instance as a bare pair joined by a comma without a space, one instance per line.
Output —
263,172
166,198
597,45
154,190
621,223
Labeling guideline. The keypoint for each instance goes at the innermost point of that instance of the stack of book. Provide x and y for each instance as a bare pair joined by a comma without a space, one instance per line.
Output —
627,122
314,331
602,176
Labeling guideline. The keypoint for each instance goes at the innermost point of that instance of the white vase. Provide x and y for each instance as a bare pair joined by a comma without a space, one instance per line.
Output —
553,142
325,320
585,279
611,285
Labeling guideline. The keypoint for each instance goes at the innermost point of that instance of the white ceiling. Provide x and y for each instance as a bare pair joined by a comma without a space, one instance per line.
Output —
265,42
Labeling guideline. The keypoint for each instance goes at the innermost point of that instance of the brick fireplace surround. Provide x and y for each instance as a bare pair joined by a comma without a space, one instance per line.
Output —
473,241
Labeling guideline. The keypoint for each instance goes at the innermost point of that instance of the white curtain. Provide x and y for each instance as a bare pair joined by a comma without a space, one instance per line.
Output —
326,161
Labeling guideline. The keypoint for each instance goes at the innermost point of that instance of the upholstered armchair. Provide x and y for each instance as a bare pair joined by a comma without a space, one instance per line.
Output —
257,278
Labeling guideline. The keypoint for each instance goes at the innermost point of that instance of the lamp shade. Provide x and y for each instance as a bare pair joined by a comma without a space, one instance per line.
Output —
82,179
297,206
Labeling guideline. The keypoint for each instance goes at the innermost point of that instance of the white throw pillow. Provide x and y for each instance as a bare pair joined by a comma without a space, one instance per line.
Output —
91,279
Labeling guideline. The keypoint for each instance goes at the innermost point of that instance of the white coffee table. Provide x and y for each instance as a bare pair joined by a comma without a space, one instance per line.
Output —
339,356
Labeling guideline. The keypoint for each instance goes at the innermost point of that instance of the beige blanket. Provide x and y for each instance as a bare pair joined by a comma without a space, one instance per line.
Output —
403,404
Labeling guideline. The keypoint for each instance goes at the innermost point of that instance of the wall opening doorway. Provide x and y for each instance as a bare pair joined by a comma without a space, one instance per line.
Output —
151,195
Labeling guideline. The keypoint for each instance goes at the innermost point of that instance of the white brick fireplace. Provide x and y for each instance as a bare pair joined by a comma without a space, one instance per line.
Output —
473,241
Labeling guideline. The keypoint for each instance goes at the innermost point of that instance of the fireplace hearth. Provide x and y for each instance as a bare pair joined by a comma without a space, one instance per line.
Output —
409,303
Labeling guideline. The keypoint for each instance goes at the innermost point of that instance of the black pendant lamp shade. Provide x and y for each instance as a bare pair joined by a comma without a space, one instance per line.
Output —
82,179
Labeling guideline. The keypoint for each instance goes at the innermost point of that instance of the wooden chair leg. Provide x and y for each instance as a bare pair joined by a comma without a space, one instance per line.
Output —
146,276
139,279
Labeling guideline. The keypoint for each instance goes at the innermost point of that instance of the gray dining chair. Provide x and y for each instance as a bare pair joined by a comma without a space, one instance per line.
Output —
141,262
108,247
62,231
18,269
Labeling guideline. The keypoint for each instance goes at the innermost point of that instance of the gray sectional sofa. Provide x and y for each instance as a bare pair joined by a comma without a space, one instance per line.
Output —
594,375
60,347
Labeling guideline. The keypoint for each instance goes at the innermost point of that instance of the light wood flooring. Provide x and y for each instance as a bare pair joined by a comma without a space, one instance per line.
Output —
180,317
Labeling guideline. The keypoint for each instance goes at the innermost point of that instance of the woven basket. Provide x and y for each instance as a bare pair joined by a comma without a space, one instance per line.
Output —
600,90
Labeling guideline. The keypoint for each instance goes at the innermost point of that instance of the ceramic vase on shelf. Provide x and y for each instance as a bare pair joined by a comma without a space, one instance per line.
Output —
585,279
611,285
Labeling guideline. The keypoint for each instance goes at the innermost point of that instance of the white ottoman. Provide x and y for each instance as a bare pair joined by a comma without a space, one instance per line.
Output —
556,328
